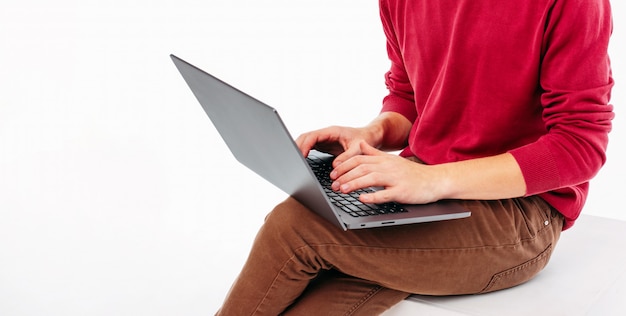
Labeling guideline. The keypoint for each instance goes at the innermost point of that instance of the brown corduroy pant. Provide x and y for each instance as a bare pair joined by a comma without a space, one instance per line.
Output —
302,265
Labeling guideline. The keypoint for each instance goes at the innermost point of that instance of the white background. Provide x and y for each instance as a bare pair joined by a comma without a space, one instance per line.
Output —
115,189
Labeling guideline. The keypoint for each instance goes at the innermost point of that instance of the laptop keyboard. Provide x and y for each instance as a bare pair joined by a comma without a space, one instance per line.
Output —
349,203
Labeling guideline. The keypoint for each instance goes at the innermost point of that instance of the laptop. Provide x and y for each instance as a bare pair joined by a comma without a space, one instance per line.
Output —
258,138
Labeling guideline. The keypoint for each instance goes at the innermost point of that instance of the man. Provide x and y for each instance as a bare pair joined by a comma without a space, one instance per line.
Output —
502,105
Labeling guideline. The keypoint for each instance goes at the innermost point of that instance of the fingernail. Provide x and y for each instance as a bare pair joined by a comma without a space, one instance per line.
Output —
333,174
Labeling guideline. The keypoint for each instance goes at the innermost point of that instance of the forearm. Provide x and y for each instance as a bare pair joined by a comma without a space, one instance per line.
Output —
490,178
495,177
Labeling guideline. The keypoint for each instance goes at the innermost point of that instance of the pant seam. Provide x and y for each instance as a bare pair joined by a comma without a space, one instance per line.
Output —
454,249
365,298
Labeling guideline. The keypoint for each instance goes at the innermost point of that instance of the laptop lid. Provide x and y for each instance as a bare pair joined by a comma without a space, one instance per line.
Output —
257,137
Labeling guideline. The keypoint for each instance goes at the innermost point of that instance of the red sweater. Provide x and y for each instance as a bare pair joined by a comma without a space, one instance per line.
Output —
485,77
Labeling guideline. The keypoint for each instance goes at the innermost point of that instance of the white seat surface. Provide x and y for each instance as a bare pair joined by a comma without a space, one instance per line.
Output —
586,276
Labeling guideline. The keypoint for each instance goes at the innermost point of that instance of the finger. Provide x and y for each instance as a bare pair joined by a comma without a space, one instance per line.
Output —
354,149
378,197
349,152
305,143
361,176
354,156
367,149
310,140
341,168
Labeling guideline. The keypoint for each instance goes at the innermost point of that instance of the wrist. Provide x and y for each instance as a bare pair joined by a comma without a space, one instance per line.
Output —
444,180
389,131
375,133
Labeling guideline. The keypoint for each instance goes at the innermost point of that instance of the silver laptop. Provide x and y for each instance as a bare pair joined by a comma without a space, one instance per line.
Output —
257,137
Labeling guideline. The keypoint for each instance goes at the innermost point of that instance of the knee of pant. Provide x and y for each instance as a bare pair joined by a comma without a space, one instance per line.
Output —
282,213
291,219
283,218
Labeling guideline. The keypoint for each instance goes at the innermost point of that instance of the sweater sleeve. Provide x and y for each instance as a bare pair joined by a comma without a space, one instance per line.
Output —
401,95
576,81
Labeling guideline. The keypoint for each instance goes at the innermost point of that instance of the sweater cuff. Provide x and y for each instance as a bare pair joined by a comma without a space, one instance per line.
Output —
538,167
394,103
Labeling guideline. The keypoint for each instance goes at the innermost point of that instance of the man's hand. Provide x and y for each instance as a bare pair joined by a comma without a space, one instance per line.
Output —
404,181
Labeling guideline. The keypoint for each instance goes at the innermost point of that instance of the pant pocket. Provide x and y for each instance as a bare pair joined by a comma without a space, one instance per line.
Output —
535,213
520,273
